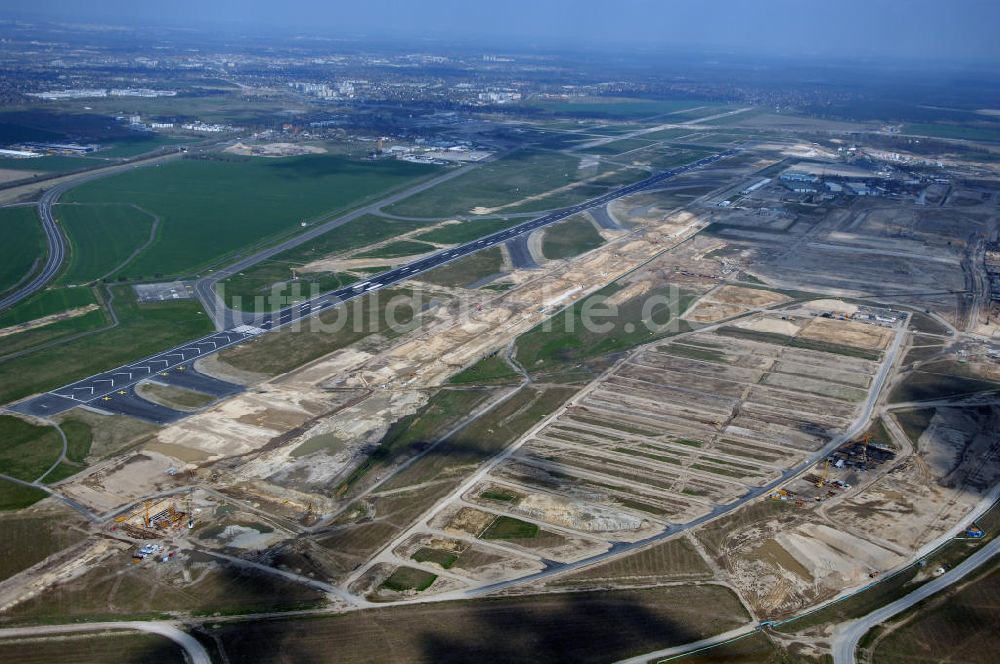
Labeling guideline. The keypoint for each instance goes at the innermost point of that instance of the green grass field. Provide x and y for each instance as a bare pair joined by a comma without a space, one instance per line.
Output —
484,437
287,349
139,144
21,341
102,238
467,231
50,164
565,339
518,175
27,450
409,578
47,302
397,249
268,286
142,330
489,370
23,247
260,279
210,209
570,238
466,270
428,555
17,496
509,528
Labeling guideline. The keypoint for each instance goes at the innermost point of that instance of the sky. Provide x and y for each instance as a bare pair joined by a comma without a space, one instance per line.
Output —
944,30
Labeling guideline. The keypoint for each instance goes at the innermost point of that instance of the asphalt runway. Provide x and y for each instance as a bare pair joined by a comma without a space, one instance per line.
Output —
92,390
127,402
604,219
187,377
520,255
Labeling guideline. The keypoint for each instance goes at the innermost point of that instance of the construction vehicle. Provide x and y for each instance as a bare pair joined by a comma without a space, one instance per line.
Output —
974,532
824,474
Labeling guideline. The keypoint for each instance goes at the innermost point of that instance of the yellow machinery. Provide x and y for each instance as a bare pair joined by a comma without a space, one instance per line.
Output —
824,475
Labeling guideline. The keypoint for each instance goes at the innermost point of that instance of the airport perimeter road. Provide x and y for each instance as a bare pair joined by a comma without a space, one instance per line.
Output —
54,239
848,635
95,389
195,651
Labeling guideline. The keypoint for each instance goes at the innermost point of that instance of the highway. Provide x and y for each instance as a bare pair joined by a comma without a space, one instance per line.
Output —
55,244
55,241
848,635
101,387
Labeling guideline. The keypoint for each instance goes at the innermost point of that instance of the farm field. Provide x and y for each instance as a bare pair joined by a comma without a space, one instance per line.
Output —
115,588
23,247
123,647
102,238
578,627
210,209
30,538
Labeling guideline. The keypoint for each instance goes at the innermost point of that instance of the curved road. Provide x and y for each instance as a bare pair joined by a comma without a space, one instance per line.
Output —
847,637
55,248
195,652
54,238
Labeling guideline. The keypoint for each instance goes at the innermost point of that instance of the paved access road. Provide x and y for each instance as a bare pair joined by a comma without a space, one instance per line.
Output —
54,239
98,388
55,249
847,637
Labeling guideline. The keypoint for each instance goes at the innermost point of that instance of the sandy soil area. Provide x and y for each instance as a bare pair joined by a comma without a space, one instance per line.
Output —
847,332
274,149
48,320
